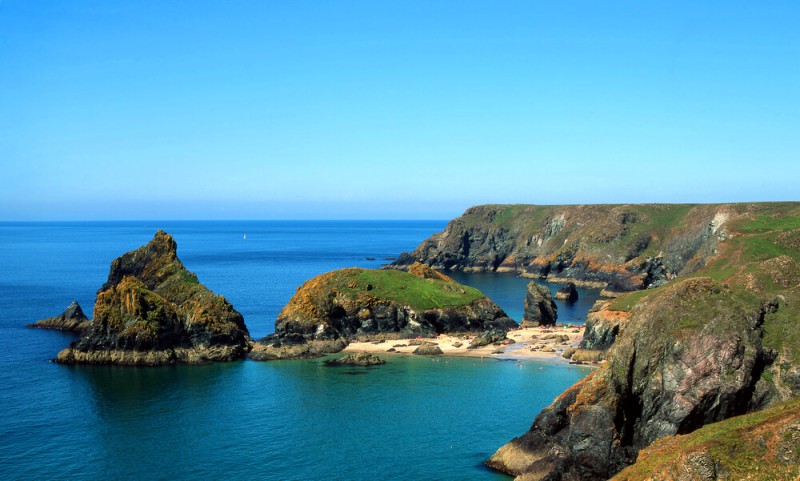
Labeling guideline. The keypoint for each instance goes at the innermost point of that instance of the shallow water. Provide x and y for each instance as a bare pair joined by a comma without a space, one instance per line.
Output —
412,418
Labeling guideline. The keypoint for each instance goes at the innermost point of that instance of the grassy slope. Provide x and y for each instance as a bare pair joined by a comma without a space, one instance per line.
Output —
745,446
404,288
358,288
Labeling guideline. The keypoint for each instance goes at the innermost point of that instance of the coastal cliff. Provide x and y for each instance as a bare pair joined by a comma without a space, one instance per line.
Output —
331,309
153,311
621,247
720,342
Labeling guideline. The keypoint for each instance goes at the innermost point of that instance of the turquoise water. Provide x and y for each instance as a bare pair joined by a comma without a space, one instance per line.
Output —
412,418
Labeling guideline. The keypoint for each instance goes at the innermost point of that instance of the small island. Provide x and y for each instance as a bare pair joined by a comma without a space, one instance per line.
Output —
153,311
338,307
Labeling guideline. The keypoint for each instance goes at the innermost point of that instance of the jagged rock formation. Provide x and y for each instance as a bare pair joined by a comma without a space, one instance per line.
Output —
364,304
152,311
568,293
622,247
72,319
691,353
540,308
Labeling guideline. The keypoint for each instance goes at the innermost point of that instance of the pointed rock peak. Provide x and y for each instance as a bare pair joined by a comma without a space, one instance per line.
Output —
150,263
74,311
163,243
424,271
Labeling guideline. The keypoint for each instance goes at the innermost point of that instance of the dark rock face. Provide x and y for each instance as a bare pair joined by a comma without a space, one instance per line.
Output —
602,327
540,309
567,293
691,355
72,319
153,311
356,359
428,349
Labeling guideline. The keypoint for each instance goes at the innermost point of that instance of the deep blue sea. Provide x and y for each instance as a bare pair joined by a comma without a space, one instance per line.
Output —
412,418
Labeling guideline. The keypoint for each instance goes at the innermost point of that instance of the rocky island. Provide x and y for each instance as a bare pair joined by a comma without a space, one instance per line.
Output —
714,335
335,308
72,319
153,311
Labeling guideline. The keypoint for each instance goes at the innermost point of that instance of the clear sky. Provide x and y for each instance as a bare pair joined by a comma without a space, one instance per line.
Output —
379,109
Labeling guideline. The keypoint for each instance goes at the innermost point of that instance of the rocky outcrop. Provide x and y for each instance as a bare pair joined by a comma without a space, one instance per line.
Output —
568,293
72,319
428,349
762,445
488,337
365,304
540,309
624,247
691,353
153,311
602,326
356,359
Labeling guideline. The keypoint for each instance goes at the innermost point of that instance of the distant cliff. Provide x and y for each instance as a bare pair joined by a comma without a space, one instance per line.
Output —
722,340
153,311
624,247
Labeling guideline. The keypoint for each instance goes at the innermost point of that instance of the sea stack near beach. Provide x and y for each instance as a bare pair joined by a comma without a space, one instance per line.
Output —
540,309
153,311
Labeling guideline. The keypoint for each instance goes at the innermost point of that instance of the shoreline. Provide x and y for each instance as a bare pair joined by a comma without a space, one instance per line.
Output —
530,343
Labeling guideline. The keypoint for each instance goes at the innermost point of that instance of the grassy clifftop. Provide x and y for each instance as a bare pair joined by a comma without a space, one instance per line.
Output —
764,445
363,302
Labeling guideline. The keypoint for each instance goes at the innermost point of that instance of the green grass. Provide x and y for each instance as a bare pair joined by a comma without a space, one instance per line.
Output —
768,223
626,302
781,331
732,442
406,289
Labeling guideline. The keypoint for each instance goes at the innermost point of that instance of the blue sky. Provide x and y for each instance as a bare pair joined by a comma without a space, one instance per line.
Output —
379,109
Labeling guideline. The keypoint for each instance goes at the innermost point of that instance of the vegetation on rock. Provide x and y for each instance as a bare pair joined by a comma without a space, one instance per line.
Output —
154,311
720,341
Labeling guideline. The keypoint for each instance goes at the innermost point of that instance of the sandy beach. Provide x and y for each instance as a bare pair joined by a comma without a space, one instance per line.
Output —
531,342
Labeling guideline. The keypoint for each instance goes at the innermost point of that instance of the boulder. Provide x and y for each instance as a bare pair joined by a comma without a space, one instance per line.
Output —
428,349
356,359
488,337
567,293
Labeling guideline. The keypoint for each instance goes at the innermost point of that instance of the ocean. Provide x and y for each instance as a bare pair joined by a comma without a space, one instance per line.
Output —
412,418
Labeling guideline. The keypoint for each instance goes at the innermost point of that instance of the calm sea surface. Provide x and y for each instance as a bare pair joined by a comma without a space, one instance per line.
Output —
412,418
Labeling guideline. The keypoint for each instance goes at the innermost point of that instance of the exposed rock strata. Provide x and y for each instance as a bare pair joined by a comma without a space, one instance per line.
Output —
691,354
624,247
72,319
368,304
153,311
540,309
